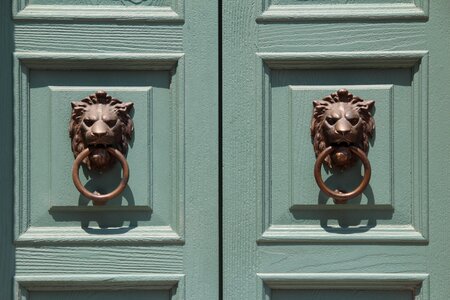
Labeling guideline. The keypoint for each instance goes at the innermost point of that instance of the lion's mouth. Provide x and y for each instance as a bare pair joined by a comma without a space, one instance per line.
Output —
98,151
342,144
100,146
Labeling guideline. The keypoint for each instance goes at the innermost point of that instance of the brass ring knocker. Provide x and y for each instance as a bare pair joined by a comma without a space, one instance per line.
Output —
97,198
338,196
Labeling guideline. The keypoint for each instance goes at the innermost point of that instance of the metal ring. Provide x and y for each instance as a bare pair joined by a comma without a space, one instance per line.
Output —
100,199
339,196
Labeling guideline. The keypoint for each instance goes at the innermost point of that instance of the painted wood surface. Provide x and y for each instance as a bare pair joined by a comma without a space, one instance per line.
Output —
269,250
159,240
277,226
7,256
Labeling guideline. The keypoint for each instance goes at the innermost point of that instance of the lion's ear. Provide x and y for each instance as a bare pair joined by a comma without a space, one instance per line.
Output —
365,105
77,104
319,103
125,107
78,108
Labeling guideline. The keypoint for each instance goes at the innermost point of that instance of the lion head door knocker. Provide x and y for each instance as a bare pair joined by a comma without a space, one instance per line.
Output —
100,128
341,127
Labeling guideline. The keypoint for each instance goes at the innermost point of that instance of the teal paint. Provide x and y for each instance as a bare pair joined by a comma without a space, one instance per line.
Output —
7,255
277,227
151,242
281,238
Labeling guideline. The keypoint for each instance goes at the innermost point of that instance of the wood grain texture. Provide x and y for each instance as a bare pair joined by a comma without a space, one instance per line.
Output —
6,153
201,40
326,258
342,36
437,39
241,163
99,260
91,37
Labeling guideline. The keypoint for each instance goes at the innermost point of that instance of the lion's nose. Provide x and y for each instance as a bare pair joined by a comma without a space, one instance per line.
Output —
99,133
343,126
99,129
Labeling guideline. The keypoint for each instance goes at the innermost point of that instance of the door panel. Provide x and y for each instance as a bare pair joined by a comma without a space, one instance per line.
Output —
341,295
151,198
129,10
73,295
283,237
288,156
294,10
100,286
158,239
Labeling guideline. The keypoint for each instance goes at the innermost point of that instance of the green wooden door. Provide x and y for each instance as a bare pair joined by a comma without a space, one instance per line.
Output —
159,239
282,238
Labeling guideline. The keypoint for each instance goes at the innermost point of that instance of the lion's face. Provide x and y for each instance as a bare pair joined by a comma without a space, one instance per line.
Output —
100,126
342,125
98,122
341,120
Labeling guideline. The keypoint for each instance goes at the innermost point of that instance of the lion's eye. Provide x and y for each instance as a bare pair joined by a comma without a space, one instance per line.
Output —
111,123
353,121
331,120
88,122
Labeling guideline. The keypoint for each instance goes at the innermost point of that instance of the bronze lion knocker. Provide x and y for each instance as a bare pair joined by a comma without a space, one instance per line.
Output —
100,128
341,127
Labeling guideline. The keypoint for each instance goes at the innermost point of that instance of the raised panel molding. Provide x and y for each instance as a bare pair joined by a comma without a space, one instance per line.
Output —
22,10
25,284
79,236
24,232
417,230
417,9
342,60
415,282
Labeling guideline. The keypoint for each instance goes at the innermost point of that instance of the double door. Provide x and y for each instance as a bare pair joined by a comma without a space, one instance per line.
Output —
221,201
